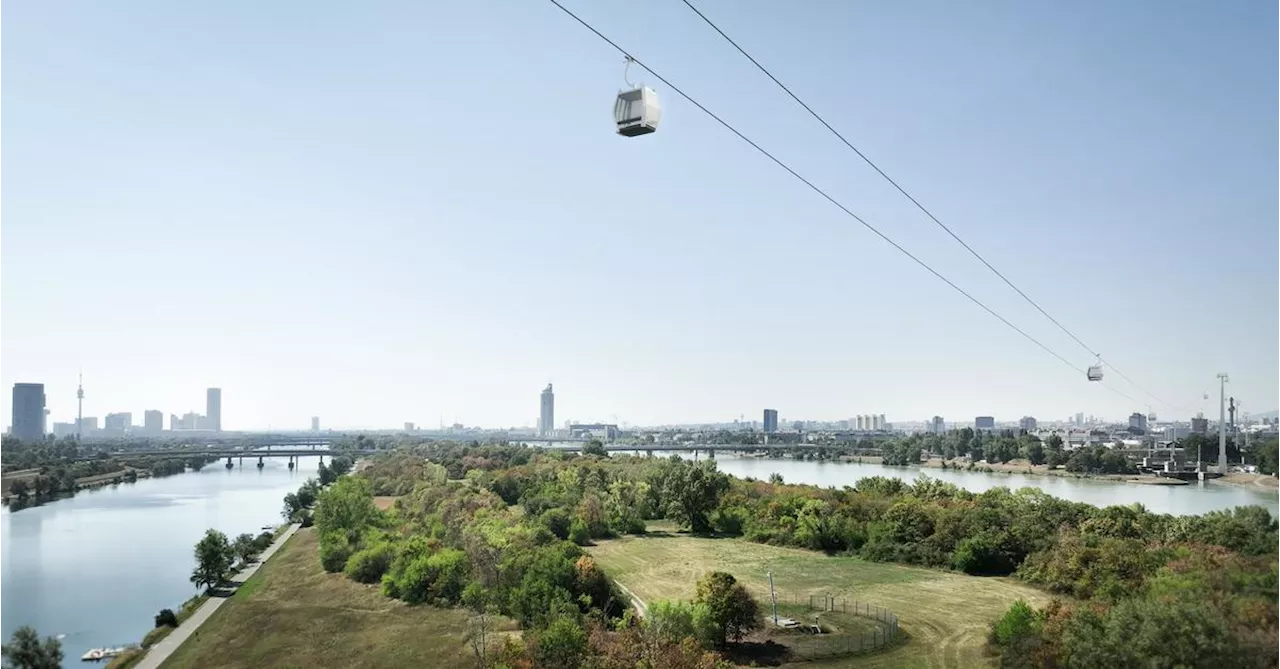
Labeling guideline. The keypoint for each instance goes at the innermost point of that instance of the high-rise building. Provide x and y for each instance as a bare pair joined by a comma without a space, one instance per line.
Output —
1027,423
409,427
118,422
984,423
1079,418
315,423
1200,425
64,430
937,425
881,423
547,412
88,424
153,421
770,421
1138,422
213,409
28,412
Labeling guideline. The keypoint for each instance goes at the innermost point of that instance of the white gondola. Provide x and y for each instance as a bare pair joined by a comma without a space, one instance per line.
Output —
1095,373
637,111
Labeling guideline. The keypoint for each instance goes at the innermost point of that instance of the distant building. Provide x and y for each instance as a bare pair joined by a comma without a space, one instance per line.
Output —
771,421
605,431
1200,425
213,409
189,421
64,430
547,412
1027,423
1079,418
408,427
1138,422
28,412
1175,432
88,424
881,423
117,422
984,423
937,425
315,423
153,421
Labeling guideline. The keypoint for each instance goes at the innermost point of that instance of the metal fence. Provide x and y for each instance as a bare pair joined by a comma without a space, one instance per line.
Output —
841,634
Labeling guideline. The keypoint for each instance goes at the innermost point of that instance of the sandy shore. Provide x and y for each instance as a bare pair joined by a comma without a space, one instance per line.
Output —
1251,481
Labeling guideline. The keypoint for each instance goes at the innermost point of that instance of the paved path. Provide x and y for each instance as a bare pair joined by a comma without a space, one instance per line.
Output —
161,651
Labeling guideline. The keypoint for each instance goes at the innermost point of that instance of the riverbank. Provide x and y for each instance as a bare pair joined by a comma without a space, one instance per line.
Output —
293,613
158,653
1265,482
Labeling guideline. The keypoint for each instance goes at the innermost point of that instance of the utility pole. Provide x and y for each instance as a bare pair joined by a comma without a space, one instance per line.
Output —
774,598
1222,422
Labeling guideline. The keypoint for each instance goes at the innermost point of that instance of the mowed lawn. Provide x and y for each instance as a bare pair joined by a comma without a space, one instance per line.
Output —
292,614
946,615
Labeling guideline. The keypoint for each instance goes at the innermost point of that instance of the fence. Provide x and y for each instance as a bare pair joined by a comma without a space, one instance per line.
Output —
848,626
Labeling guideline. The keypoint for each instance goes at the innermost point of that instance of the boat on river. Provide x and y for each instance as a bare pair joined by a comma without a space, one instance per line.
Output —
98,654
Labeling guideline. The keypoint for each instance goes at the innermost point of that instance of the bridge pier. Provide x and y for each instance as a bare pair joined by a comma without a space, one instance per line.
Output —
229,465
291,462
260,463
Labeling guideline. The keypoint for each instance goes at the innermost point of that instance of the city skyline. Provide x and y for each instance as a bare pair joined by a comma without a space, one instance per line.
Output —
406,273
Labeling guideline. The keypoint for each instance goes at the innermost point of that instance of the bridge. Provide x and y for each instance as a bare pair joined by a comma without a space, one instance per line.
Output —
272,451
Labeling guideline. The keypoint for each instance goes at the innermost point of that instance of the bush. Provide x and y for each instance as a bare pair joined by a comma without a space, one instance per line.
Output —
1017,623
368,565
335,549
166,618
558,521
578,532
671,622
155,636
562,644
733,612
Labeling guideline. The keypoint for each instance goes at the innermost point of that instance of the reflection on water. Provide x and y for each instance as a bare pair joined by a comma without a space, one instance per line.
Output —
98,566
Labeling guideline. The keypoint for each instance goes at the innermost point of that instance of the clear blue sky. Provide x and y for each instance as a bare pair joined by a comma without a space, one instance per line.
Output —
397,211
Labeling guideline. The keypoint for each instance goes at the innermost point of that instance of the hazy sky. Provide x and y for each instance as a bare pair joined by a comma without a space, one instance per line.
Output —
403,211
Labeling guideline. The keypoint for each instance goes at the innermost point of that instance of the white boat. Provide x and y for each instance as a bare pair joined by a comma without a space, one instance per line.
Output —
97,654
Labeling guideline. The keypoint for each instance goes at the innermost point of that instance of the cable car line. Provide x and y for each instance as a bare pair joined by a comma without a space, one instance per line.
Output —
816,189
1091,372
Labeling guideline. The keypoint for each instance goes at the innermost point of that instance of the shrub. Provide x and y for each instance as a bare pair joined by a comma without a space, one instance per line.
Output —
166,618
558,521
578,532
562,644
368,565
335,549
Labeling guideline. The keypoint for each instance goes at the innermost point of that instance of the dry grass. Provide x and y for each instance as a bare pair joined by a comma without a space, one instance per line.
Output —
296,615
945,615
384,502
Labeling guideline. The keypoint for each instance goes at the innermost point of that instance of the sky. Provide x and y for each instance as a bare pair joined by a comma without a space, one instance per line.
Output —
401,211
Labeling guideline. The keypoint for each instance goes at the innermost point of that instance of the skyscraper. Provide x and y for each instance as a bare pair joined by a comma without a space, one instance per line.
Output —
939,426
547,414
315,423
984,423
153,421
770,421
118,422
213,409
1027,423
28,411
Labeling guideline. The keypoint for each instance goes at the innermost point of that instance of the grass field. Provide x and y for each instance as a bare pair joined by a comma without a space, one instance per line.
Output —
945,615
292,614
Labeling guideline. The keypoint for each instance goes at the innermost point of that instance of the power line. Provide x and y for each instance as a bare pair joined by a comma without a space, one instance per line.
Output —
907,195
815,188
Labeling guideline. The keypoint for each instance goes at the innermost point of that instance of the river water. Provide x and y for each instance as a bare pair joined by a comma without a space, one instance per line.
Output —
98,566
1192,499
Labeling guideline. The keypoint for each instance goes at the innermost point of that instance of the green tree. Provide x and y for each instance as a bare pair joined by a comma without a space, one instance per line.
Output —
26,651
562,645
214,556
731,607
694,491
1018,622
595,447
346,507
19,489
245,548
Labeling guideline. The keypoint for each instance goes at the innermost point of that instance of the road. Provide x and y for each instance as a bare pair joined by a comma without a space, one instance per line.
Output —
161,651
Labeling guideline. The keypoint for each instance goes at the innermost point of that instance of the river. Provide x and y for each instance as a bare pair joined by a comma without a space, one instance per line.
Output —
1192,499
98,566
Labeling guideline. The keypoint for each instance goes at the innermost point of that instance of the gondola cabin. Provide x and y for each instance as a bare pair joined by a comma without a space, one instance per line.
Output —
637,112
